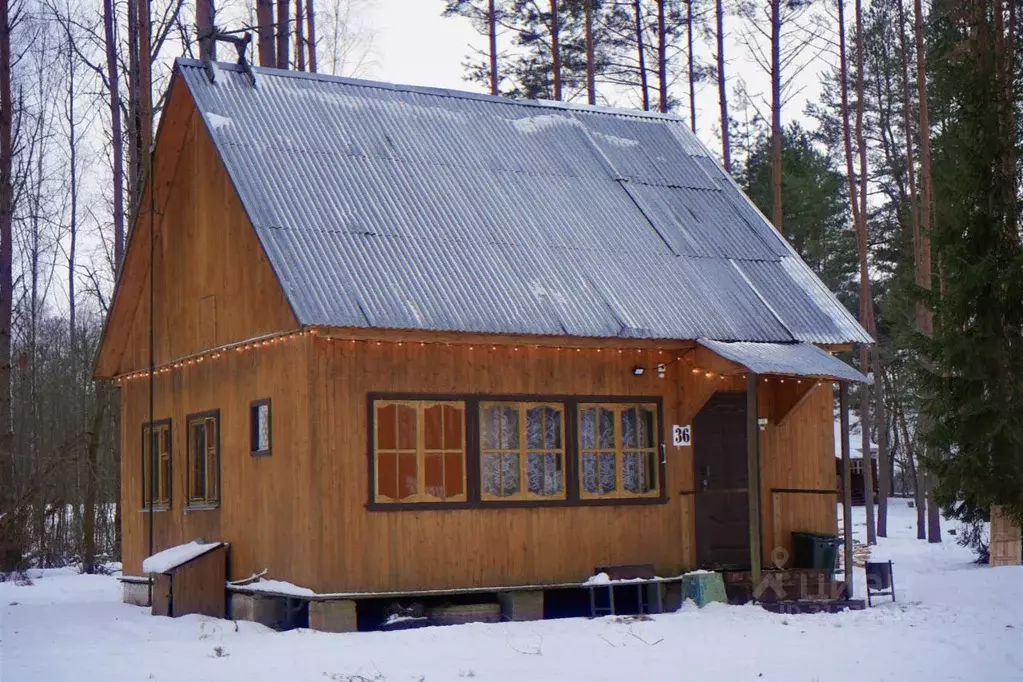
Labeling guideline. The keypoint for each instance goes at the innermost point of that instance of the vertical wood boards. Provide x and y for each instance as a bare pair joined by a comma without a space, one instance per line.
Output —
1005,540
198,586
301,513
214,285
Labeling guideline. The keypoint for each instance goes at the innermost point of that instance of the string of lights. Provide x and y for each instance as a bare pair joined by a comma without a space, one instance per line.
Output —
661,368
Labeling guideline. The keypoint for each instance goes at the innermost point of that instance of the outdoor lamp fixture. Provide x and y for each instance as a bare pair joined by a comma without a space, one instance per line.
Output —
662,369
762,423
638,371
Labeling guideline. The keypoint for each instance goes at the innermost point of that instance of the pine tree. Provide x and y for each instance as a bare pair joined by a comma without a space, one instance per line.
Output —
816,207
974,386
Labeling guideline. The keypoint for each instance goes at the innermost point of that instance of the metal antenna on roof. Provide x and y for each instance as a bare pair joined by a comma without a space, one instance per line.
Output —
213,35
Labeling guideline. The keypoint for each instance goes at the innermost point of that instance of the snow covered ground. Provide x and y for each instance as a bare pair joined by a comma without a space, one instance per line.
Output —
953,621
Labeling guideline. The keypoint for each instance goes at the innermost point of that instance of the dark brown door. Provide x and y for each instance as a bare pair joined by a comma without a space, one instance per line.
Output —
722,497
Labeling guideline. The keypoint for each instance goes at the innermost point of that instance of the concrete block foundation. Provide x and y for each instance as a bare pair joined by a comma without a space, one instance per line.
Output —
269,611
521,606
333,616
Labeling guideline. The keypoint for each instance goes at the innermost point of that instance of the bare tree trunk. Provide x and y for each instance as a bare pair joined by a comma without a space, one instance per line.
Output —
134,118
11,540
204,13
265,18
933,513
117,153
556,49
866,295
310,15
776,204
726,146
299,40
116,141
591,86
923,270
283,34
662,59
492,30
145,83
92,480
644,86
692,66
918,482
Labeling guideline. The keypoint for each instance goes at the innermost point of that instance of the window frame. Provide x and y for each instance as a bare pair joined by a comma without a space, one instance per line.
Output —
473,452
421,497
254,428
619,450
523,450
205,503
158,505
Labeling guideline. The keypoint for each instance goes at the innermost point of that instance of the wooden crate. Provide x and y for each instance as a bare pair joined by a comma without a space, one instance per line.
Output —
1006,544
196,586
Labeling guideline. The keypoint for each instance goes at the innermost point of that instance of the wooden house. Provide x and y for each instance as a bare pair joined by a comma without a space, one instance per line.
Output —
387,339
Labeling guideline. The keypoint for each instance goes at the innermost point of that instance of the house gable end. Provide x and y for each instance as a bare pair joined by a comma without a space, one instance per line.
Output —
213,282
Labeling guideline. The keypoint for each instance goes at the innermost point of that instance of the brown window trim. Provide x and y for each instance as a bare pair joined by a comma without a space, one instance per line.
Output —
620,451
472,465
201,505
421,497
254,435
158,506
522,407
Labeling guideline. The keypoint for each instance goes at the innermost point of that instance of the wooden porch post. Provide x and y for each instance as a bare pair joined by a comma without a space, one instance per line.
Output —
753,476
843,406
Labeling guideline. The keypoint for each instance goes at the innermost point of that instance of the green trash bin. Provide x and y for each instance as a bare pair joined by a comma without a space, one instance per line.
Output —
815,550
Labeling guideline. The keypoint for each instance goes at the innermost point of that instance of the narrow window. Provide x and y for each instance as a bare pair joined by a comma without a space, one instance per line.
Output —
522,450
259,427
419,451
204,459
618,450
156,457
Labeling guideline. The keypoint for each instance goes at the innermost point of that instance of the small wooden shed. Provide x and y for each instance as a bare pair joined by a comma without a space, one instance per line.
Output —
189,578
1006,546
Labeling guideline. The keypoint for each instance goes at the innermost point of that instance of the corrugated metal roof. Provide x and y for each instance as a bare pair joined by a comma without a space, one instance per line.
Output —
798,359
414,208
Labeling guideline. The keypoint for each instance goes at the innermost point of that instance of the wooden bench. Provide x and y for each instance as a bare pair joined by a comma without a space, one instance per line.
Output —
640,575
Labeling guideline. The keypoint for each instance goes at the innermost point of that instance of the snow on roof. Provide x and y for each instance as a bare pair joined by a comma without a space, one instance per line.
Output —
172,557
276,587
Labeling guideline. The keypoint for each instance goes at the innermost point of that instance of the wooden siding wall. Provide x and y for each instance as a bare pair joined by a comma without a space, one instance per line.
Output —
268,508
213,283
392,550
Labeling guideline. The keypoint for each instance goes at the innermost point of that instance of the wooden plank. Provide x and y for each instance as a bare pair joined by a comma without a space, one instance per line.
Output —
1005,547
843,406
753,463
798,392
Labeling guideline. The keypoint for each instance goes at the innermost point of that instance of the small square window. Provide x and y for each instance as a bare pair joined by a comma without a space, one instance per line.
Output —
260,430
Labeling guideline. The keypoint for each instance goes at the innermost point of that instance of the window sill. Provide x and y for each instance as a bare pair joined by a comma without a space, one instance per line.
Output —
156,508
260,453
202,507
509,504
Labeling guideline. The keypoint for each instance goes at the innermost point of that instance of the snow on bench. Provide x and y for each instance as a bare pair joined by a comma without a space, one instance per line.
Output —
172,557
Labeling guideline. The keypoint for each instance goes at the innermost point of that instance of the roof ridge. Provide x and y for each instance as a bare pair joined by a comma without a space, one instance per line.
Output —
439,92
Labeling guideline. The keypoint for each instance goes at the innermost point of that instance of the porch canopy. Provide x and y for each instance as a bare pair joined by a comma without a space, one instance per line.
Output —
789,359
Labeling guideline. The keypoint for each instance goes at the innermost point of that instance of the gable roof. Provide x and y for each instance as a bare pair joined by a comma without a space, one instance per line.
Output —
400,207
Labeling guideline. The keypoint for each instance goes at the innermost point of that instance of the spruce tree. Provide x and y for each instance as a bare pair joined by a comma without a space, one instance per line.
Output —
973,380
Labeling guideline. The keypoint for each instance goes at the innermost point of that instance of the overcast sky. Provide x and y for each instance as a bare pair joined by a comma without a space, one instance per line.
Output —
413,44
